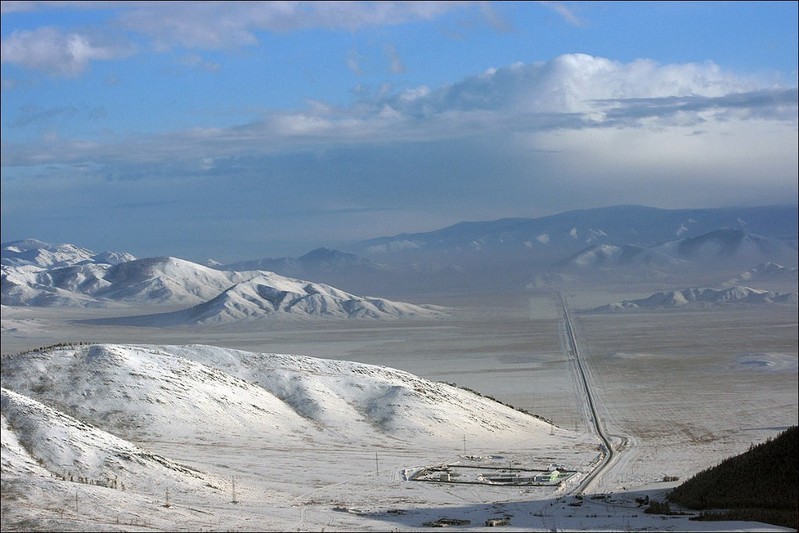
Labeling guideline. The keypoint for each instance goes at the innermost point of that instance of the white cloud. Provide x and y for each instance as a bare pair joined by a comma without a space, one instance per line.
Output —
231,24
61,54
576,130
395,61
196,61
564,11
354,63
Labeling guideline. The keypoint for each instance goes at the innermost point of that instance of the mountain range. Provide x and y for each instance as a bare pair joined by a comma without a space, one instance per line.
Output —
573,230
606,242
510,254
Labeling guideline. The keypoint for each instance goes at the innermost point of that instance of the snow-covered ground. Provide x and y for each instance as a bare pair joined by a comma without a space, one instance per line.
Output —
253,440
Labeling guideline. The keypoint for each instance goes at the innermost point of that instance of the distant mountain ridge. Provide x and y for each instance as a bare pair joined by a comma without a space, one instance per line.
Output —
524,251
617,225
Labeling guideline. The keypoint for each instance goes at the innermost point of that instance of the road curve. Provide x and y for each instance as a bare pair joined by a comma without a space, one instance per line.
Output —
607,448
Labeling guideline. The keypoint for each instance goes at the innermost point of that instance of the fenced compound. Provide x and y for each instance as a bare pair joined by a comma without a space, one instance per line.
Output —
493,475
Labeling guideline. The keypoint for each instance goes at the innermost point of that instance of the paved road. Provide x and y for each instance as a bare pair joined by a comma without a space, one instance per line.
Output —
607,448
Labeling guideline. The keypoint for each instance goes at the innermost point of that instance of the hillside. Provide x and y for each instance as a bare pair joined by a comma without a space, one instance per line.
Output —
162,390
761,484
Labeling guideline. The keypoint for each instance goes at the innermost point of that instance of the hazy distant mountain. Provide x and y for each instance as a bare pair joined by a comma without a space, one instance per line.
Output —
45,255
766,272
318,264
727,245
702,297
609,255
573,230
501,254
271,295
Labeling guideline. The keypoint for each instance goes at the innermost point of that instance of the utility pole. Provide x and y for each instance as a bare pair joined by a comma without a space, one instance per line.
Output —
464,443
377,465
234,489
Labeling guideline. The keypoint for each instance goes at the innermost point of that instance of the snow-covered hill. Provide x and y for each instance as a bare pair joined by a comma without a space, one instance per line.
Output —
285,430
268,295
702,297
42,441
148,392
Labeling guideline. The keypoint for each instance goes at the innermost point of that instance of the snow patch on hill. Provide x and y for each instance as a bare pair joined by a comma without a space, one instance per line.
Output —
702,297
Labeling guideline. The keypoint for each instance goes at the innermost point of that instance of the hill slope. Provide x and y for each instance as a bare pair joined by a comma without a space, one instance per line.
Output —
162,390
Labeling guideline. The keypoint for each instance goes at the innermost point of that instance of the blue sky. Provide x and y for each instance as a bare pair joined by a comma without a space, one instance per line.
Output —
242,130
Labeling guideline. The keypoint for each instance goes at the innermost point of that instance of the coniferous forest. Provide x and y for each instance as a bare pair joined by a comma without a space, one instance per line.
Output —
759,485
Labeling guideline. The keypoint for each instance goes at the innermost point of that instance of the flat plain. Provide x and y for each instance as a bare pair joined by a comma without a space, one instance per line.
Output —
678,390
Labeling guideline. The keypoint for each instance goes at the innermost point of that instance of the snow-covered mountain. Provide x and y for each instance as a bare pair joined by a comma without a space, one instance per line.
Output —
268,295
36,253
165,280
217,296
702,297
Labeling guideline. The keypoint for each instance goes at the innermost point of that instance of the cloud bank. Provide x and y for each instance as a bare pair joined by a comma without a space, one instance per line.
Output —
521,140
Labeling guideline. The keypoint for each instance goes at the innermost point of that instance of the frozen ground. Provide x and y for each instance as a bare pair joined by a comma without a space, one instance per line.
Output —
681,391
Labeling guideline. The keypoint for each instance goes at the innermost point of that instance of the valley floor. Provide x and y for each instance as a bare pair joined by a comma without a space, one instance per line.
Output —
680,391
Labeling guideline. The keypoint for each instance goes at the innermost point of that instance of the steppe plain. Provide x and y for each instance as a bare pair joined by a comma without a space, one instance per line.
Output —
679,390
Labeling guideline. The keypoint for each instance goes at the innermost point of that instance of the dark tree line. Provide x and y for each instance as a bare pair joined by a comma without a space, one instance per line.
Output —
761,484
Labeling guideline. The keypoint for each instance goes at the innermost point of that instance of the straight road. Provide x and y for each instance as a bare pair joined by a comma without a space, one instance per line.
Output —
607,448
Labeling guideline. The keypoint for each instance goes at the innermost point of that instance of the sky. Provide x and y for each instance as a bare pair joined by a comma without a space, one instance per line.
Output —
237,131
